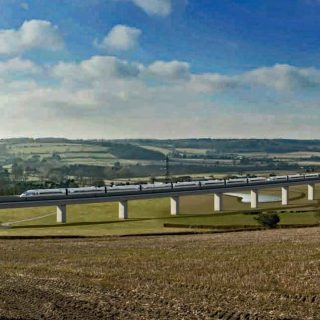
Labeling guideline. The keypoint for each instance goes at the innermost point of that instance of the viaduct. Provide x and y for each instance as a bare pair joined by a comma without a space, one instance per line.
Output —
174,195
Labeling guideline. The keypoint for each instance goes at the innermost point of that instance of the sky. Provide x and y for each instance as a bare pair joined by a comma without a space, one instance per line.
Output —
117,69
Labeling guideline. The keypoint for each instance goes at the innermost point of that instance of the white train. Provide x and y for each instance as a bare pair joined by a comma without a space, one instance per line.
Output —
236,182
158,186
212,183
43,192
278,178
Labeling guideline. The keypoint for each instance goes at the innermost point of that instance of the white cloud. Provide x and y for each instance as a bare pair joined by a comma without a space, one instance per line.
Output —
121,37
97,69
33,34
280,77
283,77
172,70
154,7
18,66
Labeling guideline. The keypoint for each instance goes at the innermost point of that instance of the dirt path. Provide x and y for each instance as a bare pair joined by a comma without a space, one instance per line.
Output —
8,224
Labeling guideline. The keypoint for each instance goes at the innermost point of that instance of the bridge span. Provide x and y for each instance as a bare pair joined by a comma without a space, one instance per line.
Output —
122,198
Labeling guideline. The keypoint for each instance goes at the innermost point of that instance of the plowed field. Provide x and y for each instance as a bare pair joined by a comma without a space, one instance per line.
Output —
248,275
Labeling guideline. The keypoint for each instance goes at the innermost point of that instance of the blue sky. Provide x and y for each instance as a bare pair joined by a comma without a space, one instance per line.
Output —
160,68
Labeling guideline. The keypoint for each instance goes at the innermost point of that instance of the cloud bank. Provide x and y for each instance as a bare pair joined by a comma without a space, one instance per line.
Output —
108,97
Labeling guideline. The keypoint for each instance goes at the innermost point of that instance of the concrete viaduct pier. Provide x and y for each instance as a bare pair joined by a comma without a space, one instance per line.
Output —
254,198
218,202
311,191
174,206
62,213
123,209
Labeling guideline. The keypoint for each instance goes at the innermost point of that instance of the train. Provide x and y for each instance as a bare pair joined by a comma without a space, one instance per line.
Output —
159,186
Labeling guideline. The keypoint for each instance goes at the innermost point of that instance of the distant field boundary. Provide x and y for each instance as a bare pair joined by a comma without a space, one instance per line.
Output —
228,228
206,230
113,236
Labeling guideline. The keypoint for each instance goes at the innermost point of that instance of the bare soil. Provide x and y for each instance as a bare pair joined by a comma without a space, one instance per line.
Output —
272,274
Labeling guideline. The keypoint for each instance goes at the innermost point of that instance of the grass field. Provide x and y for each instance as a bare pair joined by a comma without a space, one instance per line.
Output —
259,275
148,216
92,155
40,148
153,148
71,154
193,151
288,155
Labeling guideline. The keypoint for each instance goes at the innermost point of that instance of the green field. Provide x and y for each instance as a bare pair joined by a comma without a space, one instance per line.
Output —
73,153
193,151
49,148
153,148
148,216
69,153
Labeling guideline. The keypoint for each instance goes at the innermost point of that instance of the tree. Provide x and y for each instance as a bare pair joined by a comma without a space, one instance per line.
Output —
116,166
268,220
56,156
98,182
17,171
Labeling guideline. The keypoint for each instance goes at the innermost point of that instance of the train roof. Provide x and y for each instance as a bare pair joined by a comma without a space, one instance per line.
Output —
48,190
